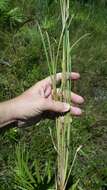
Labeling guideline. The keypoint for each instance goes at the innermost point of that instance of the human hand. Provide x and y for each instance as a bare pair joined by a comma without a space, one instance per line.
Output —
37,102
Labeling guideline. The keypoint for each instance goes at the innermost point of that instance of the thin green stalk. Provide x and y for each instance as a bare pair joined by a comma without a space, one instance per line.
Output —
81,38
73,162
45,49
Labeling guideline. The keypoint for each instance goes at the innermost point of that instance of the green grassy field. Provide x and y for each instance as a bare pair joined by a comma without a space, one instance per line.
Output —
22,63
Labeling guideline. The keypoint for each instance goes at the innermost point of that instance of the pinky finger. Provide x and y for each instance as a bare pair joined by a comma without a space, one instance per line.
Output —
76,111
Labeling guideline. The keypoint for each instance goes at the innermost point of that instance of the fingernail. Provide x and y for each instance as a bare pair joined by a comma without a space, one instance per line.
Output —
66,107
81,100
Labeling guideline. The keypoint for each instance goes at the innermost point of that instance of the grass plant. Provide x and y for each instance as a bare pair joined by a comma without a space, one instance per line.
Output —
63,123
27,175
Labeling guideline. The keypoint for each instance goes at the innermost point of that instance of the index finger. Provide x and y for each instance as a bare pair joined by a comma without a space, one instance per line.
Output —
58,77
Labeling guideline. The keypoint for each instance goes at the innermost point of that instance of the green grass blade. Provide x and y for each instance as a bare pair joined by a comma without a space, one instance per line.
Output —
81,38
45,49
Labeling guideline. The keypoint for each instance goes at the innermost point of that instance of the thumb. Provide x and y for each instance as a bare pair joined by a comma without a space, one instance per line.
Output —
57,106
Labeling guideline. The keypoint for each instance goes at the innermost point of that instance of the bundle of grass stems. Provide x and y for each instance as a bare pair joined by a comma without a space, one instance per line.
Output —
63,123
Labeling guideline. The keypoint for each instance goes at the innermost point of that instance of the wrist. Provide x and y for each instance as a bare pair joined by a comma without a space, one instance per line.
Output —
14,109
18,105
7,112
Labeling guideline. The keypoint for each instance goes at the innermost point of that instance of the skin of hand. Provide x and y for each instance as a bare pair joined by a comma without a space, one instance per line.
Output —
37,103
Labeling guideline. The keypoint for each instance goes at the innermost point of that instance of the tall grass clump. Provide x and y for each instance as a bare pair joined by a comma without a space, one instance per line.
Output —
27,174
63,123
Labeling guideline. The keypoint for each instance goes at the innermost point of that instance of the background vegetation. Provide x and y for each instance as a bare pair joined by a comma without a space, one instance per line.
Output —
22,63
